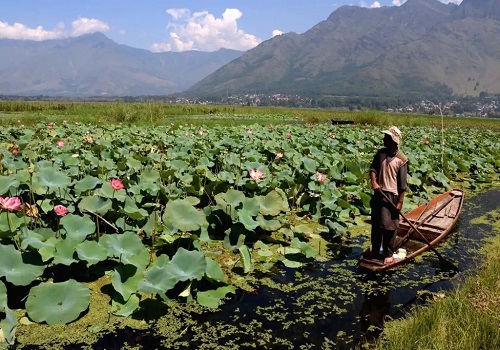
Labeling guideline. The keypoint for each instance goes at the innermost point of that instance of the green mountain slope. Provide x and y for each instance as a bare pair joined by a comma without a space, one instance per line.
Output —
423,47
95,65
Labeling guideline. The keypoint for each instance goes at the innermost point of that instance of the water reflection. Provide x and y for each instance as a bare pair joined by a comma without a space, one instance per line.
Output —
376,306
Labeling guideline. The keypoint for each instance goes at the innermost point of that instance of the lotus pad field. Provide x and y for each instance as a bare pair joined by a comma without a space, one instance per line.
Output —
167,212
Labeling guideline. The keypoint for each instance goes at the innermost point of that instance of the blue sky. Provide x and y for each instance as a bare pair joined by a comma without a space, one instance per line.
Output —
170,25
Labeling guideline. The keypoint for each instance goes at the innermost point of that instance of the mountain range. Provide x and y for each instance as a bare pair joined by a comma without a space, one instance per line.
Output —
421,48
94,65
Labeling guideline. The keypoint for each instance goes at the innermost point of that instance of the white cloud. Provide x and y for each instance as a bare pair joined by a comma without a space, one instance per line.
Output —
277,32
88,25
204,32
375,4
19,31
401,2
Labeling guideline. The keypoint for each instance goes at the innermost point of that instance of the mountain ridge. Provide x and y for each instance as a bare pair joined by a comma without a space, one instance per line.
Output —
414,49
94,65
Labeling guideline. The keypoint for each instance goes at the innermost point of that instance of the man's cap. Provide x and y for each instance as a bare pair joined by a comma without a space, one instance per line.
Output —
394,133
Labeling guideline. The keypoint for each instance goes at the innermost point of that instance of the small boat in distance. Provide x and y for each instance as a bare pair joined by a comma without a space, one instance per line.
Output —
433,220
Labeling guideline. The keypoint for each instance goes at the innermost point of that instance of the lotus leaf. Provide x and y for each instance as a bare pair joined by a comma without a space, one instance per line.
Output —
233,159
123,246
246,258
263,249
130,208
45,205
343,203
64,252
120,307
270,204
22,175
291,263
226,176
77,227
134,164
46,248
204,161
125,280
14,269
106,191
231,197
52,179
3,295
442,179
152,225
268,225
179,165
8,326
158,280
140,260
186,265
214,271
235,237
95,204
184,216
351,178
246,219
6,183
91,251
9,223
310,165
308,251
46,233
213,298
251,206
149,176
57,303
303,229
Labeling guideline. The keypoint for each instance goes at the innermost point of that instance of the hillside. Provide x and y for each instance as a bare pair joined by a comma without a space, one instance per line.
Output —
94,65
423,47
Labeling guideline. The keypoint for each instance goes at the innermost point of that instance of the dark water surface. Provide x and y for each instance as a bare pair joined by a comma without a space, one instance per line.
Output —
330,305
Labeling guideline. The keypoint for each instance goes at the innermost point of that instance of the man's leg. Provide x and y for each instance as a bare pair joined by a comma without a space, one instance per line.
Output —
388,238
376,241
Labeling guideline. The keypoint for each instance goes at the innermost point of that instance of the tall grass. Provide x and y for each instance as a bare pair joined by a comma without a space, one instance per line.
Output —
155,113
468,319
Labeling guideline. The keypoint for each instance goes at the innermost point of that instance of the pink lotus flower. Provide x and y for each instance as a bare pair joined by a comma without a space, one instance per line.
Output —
60,143
15,152
249,132
116,184
256,174
10,203
61,210
320,177
279,155
288,136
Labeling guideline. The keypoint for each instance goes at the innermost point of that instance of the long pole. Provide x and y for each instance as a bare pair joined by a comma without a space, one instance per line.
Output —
441,258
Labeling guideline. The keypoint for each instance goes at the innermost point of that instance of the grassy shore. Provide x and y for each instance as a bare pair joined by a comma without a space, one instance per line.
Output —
468,318
156,113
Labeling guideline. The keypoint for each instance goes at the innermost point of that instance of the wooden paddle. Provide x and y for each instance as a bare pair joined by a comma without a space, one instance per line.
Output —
441,258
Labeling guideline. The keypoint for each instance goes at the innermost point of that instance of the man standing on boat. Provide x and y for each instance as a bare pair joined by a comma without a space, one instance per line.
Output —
388,173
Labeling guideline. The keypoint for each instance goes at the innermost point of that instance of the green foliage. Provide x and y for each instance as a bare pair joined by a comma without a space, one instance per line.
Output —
186,186
57,303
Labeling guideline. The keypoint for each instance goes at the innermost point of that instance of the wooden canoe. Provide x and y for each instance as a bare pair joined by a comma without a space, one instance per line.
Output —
434,220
